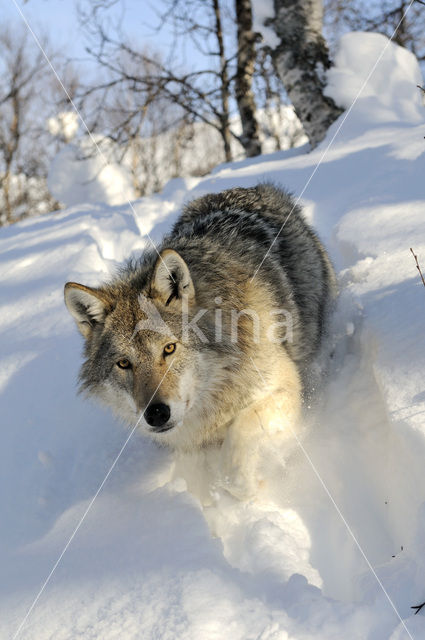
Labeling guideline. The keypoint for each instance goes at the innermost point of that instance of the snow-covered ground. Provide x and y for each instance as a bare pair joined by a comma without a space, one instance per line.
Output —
334,546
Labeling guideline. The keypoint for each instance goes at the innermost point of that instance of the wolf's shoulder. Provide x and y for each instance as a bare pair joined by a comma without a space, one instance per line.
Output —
261,208
262,197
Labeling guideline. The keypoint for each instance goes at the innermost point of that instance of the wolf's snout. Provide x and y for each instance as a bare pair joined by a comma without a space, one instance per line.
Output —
157,415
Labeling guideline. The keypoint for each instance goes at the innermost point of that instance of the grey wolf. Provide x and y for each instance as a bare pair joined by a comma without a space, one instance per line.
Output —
190,338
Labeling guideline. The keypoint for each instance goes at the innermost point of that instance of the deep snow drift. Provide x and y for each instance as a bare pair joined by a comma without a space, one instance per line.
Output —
151,560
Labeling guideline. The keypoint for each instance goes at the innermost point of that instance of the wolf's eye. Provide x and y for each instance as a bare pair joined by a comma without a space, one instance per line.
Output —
169,348
124,363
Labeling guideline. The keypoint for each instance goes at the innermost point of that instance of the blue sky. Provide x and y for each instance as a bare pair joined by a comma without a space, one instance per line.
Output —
58,18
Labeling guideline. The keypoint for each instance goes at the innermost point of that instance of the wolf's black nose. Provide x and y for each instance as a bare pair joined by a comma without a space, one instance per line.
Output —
156,415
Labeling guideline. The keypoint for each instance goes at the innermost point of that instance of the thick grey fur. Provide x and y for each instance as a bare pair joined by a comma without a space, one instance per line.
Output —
247,222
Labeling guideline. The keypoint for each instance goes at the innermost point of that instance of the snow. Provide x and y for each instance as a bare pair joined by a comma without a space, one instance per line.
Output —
162,553
64,125
391,94
80,173
263,10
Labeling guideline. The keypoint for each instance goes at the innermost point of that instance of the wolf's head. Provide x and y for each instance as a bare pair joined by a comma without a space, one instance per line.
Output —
139,358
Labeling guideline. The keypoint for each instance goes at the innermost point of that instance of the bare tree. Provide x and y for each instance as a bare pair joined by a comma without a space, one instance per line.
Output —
301,60
246,57
144,99
22,126
16,93
279,126
202,93
393,18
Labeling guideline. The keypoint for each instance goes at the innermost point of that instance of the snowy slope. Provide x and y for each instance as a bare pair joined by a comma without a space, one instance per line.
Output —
158,556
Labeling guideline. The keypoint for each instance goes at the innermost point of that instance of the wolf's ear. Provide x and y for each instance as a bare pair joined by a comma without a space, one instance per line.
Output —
87,306
171,279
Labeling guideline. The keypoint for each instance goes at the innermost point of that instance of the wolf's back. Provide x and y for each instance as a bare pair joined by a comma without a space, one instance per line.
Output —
263,225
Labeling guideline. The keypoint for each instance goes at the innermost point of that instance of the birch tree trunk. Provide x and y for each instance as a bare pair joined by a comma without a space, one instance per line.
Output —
243,82
301,60
225,84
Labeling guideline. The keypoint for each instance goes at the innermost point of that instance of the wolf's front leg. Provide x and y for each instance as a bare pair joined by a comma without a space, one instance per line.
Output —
269,421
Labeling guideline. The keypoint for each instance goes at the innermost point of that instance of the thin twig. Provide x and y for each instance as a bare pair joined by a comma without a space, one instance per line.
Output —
418,607
417,266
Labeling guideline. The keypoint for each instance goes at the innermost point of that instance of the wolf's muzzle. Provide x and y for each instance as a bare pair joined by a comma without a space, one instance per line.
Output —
157,416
